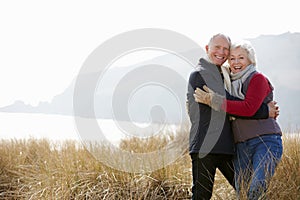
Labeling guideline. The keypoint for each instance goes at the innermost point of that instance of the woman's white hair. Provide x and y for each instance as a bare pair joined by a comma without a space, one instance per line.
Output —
247,46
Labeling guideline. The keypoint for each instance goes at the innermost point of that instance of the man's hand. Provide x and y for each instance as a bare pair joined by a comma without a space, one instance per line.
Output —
273,109
203,96
209,97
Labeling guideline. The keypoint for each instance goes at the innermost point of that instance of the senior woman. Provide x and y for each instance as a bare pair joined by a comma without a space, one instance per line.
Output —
258,142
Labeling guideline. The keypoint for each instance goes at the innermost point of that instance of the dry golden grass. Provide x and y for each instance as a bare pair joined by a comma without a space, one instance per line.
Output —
286,181
41,169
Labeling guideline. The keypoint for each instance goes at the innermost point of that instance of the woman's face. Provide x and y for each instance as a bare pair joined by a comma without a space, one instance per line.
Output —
238,60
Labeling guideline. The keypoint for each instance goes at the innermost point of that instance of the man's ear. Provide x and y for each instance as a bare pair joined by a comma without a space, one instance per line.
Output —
206,48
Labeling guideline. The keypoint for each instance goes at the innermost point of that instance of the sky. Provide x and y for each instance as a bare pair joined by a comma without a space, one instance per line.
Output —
43,44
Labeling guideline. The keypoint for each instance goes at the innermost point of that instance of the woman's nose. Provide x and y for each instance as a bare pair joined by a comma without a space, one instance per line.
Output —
235,60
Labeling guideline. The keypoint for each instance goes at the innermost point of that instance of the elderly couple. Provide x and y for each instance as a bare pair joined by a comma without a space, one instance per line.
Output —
233,121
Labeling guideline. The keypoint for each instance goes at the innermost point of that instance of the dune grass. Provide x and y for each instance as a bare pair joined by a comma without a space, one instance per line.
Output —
42,169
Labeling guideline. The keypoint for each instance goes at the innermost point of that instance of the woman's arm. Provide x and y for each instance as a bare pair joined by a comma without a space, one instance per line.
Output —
257,91
263,111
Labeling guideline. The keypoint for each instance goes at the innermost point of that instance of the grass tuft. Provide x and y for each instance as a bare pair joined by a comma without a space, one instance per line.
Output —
43,169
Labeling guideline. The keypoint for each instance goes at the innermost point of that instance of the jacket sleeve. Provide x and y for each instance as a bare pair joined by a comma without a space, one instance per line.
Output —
257,91
261,113
195,81
199,114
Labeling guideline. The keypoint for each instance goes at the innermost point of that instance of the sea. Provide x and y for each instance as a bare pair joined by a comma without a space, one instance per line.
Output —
61,128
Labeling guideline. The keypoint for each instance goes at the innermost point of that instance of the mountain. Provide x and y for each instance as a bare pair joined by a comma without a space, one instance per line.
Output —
157,83
156,89
279,59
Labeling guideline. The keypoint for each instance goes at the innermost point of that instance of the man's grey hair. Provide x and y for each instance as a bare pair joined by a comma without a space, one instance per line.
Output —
219,35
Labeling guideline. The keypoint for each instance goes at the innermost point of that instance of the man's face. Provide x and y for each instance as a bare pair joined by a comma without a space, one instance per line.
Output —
218,50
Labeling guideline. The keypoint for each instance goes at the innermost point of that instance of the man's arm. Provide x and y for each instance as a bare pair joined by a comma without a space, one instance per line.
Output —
195,81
